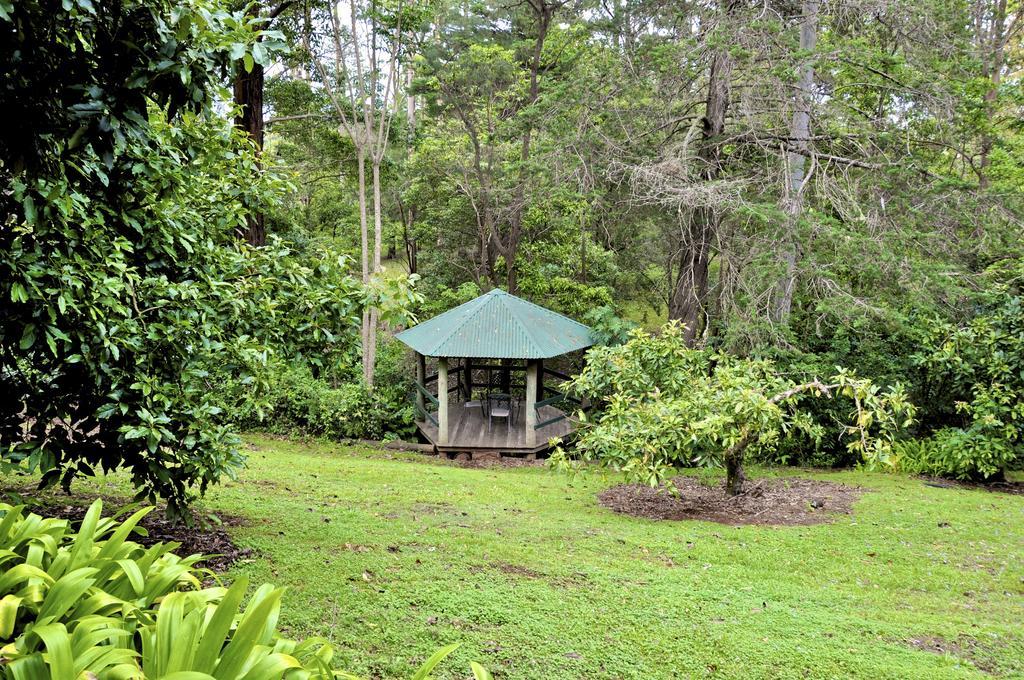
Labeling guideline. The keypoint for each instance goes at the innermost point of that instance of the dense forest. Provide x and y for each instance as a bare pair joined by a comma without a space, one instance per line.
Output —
214,217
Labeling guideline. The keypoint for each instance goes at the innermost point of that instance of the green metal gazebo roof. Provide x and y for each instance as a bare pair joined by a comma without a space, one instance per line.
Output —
498,325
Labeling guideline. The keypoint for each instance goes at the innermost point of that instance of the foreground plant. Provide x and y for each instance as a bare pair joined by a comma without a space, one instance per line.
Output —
93,604
666,405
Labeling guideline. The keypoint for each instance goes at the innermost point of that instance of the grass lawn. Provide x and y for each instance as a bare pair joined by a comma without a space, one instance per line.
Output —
391,556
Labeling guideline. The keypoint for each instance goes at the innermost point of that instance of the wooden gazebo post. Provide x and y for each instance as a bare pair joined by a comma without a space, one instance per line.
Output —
421,380
531,402
442,401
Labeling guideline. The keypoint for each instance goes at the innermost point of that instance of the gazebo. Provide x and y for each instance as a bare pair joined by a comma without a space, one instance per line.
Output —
482,348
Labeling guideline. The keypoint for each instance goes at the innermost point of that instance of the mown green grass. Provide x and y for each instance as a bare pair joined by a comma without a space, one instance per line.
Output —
391,556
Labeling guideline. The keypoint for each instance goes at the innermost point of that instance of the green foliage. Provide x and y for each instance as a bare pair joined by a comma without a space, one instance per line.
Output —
566,296
90,603
442,299
608,327
79,76
647,366
664,405
116,233
954,452
133,318
972,378
298,403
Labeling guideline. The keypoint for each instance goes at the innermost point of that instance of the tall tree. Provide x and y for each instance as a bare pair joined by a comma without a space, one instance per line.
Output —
359,81
796,172
688,298
994,27
494,89
248,87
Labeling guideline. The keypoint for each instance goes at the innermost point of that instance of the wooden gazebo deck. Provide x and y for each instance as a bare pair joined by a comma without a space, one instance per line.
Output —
468,432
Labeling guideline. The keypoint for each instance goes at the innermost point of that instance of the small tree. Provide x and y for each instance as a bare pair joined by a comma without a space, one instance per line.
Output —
666,405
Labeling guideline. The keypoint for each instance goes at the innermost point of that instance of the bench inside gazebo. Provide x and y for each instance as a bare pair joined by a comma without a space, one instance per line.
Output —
491,393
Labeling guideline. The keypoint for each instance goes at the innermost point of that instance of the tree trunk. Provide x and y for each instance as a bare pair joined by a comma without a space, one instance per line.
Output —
365,261
370,361
378,220
248,94
411,250
796,160
583,251
687,299
734,476
545,12
993,48
686,302
410,104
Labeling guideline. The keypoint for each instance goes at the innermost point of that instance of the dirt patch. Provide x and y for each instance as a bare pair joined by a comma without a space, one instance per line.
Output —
516,570
574,580
784,501
443,509
965,647
1013,488
213,541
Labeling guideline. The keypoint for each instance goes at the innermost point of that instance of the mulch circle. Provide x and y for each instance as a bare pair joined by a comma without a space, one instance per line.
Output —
213,541
777,501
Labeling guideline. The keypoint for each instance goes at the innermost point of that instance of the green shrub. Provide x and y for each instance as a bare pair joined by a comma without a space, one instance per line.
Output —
608,327
298,403
662,404
955,453
92,604
973,384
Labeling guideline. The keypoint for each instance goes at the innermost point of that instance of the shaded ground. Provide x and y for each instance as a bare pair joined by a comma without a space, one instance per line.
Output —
1011,487
788,501
202,538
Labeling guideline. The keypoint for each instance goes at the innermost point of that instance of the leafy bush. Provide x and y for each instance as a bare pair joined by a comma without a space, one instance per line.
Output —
956,453
608,327
973,383
92,604
122,194
664,404
298,403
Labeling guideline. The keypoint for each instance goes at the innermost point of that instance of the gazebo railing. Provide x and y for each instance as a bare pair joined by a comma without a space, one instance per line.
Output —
558,398
426,401
430,398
